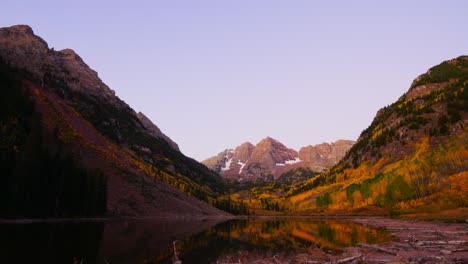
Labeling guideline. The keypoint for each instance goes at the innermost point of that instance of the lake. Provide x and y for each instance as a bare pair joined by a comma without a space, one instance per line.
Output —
196,241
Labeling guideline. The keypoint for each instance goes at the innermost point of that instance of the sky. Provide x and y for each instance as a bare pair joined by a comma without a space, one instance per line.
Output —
215,74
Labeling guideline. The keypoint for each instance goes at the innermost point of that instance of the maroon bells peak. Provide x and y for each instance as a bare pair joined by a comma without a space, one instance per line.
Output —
270,158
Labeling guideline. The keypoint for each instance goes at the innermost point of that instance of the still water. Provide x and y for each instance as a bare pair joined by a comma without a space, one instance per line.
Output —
151,241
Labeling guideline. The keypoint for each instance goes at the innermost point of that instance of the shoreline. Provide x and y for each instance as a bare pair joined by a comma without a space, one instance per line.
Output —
109,219
458,215
416,241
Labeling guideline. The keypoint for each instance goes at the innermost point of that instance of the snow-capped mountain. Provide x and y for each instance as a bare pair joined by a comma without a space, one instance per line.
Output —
270,158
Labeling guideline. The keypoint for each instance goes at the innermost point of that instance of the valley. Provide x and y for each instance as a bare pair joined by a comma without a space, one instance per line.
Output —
412,158
72,150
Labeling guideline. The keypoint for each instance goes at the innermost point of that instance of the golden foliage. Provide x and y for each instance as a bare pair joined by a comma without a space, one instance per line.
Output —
435,176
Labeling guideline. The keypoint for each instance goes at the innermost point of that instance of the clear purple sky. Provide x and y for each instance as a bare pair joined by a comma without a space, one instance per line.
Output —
214,74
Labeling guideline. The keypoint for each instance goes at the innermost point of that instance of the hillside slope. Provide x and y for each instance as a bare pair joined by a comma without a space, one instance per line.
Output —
414,155
67,113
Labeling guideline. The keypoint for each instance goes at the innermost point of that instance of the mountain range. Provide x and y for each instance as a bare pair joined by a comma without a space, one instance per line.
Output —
269,159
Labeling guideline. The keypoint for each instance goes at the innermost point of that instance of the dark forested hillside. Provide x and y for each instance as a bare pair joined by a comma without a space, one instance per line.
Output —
39,178
70,147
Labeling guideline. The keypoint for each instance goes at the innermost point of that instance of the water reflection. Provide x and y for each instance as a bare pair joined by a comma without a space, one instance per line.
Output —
150,241
265,235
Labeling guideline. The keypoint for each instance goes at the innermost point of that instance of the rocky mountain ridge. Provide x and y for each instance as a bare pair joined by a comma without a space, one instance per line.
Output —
269,159
19,46
66,115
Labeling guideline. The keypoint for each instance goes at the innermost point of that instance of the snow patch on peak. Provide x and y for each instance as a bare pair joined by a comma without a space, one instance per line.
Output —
227,166
242,166
290,162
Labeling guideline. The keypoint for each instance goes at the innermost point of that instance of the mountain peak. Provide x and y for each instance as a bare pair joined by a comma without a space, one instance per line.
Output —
25,29
437,78
246,144
270,158
269,141
21,35
20,47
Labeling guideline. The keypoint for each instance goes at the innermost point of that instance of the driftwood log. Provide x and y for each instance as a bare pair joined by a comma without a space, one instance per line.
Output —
441,242
345,260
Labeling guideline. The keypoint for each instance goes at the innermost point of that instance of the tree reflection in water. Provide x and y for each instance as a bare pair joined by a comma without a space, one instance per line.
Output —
271,236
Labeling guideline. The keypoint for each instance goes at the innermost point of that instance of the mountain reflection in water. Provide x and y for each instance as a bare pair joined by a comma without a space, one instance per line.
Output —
151,241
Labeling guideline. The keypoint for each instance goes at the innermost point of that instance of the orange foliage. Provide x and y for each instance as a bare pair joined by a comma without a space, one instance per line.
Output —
429,176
